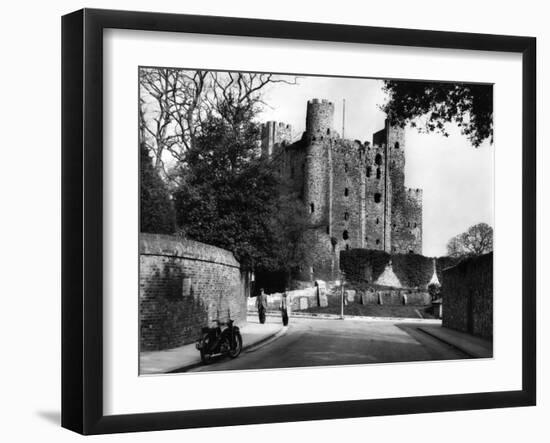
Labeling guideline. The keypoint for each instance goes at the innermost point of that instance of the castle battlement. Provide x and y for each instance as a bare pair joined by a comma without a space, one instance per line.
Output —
320,116
275,134
319,101
354,191
415,195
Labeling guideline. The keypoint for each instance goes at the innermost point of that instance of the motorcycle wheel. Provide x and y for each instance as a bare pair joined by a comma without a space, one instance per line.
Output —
205,355
236,350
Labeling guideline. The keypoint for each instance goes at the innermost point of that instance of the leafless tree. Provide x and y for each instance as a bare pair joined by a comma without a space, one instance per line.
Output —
174,103
477,240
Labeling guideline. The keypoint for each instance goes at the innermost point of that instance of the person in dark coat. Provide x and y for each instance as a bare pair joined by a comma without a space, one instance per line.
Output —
285,308
261,304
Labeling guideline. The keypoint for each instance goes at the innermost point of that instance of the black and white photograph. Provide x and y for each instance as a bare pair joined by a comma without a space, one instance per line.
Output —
275,222
296,220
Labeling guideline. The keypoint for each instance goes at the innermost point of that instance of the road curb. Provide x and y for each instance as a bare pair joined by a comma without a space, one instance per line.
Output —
452,345
251,347
271,338
355,317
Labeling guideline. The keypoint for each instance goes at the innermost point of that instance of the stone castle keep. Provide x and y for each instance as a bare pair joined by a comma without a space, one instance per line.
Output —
354,192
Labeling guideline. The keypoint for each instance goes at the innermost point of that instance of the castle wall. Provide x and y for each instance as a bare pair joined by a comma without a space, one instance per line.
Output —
318,189
406,211
290,162
316,181
407,224
355,193
274,135
348,196
319,117
376,197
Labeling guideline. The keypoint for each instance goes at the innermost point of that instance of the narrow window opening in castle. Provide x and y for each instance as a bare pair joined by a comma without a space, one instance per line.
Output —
346,192
415,225
378,159
378,173
369,169
347,247
377,241
377,220
411,251
377,197
346,215
345,235
396,146
312,207
328,131
346,167
328,229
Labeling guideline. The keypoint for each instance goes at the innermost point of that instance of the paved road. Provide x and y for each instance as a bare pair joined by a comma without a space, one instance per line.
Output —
314,342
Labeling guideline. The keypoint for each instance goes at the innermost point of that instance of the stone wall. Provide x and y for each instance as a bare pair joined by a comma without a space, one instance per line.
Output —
300,299
319,117
376,197
184,285
467,294
380,296
275,134
354,192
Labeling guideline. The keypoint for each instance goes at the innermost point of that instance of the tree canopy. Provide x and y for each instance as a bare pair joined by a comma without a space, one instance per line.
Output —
156,211
174,105
203,124
477,240
430,106
232,198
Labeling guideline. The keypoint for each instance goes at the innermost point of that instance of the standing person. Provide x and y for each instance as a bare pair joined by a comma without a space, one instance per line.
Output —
261,304
285,307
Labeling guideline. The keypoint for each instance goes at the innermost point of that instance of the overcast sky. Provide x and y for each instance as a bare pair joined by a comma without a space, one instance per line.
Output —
457,178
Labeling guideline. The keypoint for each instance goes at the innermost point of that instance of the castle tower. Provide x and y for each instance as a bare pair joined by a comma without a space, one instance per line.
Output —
317,174
319,117
403,212
275,134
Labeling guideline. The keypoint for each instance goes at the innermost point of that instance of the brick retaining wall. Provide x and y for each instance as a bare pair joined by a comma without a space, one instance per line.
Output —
467,293
184,285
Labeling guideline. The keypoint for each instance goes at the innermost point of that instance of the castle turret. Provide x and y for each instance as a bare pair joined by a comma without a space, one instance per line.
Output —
275,134
319,118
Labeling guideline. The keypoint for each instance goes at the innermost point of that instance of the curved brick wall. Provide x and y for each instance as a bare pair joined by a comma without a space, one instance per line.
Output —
184,285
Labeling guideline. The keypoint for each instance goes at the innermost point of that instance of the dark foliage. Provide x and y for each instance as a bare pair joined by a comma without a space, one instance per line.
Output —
412,270
233,199
468,105
156,211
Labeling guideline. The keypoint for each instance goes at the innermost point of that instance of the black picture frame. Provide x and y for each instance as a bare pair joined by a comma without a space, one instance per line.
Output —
82,218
